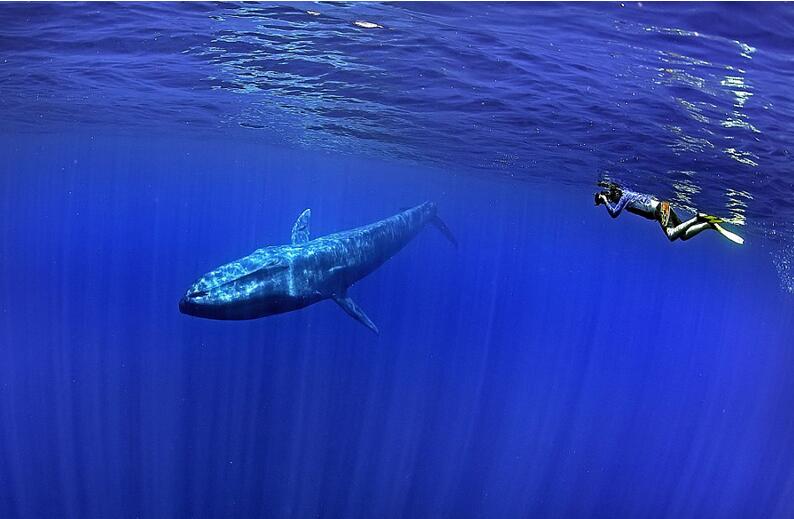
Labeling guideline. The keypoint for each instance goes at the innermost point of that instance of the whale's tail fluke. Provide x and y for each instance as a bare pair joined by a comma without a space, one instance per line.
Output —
441,226
438,223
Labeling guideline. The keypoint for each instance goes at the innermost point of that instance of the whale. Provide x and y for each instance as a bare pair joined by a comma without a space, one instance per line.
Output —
282,278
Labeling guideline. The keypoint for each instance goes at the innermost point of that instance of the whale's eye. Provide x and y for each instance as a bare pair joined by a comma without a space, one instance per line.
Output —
198,293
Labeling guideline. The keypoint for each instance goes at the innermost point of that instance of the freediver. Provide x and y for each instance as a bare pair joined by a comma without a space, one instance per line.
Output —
616,198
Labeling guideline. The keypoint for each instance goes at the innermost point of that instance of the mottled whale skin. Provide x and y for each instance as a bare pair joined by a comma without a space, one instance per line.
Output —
282,278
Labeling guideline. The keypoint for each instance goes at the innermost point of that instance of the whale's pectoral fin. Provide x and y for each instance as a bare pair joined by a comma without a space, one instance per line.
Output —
349,306
300,231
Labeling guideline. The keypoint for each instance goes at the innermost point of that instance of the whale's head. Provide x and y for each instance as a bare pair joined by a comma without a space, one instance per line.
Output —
255,286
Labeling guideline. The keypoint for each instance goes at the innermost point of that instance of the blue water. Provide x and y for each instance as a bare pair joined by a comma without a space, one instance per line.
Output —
558,364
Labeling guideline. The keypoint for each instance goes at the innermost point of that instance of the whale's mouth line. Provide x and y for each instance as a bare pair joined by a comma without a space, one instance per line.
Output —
267,269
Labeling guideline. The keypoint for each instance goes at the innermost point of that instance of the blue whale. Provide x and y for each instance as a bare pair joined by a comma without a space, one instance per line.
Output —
282,278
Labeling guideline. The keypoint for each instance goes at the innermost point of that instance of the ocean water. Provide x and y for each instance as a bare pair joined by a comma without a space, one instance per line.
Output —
559,363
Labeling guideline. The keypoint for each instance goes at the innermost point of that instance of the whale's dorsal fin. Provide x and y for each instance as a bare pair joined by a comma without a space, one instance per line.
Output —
300,231
354,311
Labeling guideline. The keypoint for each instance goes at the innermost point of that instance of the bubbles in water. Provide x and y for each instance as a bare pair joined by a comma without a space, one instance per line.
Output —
784,263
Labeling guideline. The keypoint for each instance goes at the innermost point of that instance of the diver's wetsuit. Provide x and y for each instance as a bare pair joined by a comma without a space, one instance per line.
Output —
651,208
637,203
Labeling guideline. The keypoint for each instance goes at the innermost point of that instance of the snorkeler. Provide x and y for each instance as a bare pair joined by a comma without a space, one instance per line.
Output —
616,199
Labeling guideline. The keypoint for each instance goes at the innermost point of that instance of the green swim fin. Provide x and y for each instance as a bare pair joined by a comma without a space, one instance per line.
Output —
710,218
715,221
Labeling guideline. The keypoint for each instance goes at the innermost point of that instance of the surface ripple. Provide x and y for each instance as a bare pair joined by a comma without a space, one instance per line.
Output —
690,102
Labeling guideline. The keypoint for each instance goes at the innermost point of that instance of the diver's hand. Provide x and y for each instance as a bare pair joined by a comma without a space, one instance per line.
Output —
600,199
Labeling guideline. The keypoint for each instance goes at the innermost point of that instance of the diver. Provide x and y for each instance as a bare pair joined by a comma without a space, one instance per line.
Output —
615,198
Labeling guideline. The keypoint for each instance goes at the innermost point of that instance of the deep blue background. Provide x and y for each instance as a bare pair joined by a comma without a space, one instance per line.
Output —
559,364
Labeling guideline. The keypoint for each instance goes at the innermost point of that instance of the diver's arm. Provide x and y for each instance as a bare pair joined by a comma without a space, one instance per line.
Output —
615,209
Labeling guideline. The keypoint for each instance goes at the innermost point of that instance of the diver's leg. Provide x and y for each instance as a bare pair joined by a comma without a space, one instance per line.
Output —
679,231
694,230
